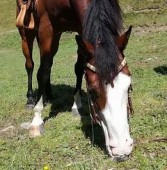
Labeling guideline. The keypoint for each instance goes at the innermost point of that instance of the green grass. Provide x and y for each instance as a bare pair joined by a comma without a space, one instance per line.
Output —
144,13
135,5
66,143
7,15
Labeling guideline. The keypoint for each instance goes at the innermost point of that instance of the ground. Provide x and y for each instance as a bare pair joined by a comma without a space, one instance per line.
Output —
70,142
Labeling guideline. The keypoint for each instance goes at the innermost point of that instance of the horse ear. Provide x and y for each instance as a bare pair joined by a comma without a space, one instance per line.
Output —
122,41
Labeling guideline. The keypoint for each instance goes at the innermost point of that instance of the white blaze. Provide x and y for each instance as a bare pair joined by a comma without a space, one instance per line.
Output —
115,118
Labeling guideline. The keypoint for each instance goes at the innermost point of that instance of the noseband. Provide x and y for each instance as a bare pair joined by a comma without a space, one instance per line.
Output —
93,107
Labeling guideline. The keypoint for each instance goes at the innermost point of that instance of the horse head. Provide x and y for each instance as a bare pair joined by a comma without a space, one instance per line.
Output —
109,100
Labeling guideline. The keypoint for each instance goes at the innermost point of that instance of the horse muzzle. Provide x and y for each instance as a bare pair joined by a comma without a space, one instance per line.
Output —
121,158
122,152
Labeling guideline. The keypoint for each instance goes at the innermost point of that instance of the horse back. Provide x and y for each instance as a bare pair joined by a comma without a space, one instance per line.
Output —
64,15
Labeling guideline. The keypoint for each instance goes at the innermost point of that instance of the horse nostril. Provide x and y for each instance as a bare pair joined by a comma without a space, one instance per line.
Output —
129,142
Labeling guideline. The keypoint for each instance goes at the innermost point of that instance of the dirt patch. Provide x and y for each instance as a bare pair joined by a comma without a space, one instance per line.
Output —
8,131
143,30
151,9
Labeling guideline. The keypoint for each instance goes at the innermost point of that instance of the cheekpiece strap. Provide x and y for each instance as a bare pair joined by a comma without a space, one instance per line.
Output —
122,65
91,67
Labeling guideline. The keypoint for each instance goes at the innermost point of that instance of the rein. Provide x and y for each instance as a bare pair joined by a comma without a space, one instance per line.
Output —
93,107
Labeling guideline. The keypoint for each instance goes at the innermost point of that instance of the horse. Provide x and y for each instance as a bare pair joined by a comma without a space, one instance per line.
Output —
100,58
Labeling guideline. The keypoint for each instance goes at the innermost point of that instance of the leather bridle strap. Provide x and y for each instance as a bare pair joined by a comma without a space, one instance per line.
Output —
130,105
94,115
122,65
93,68
92,107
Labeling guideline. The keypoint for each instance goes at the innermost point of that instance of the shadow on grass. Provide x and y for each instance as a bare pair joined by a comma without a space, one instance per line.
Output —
93,132
161,70
63,101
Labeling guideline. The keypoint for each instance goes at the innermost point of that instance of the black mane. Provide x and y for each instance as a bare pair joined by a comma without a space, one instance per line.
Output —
102,25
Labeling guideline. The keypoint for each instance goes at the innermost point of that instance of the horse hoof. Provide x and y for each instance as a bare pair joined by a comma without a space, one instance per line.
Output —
29,106
75,112
30,103
35,130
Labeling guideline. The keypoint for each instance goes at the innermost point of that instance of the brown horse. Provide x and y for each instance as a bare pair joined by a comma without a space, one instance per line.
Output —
100,56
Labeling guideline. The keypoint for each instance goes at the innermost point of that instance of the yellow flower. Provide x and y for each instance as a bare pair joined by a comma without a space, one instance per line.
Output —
46,167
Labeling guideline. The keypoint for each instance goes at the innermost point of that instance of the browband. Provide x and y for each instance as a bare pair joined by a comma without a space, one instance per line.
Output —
93,68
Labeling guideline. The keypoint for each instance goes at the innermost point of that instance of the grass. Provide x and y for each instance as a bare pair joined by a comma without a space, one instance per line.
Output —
67,141
7,15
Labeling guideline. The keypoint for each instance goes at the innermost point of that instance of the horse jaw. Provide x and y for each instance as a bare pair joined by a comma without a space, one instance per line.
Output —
115,119
37,125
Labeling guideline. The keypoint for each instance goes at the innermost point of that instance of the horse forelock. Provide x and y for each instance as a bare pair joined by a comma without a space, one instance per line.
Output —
101,27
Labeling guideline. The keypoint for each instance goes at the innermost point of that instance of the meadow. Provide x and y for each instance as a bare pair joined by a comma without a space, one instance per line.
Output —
73,143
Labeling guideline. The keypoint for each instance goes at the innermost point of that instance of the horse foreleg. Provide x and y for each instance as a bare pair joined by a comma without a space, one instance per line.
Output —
27,47
79,71
48,43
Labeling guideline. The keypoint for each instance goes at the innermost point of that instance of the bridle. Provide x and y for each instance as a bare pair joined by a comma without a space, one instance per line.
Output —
93,107
93,68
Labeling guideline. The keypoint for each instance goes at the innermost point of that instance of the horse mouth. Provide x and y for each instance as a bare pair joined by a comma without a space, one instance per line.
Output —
121,158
